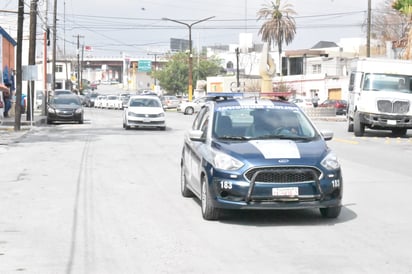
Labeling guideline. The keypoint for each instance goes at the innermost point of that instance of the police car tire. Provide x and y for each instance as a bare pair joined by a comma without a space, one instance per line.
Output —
330,212
183,185
209,212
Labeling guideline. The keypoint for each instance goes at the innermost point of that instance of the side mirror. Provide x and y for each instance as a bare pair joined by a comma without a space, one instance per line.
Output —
327,135
196,135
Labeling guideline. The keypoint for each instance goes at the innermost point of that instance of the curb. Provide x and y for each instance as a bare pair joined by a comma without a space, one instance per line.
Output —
8,123
330,119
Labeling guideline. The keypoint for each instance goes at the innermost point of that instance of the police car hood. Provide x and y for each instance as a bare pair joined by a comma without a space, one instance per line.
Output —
279,150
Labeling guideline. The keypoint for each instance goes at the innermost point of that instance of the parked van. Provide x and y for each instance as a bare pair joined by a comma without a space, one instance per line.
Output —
380,96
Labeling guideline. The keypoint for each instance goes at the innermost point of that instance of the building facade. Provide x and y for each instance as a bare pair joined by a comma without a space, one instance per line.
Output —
7,58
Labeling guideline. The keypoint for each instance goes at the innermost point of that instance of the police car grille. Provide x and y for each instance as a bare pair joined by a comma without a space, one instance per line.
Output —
393,106
283,175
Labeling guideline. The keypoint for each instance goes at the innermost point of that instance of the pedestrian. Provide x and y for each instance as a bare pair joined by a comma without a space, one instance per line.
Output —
7,100
315,100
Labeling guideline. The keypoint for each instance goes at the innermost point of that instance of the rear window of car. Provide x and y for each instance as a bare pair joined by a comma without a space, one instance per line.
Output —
171,98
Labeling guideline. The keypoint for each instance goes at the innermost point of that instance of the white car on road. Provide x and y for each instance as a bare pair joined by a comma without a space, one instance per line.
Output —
188,108
114,102
144,111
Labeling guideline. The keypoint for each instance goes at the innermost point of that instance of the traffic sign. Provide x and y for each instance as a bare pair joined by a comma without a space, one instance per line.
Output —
144,66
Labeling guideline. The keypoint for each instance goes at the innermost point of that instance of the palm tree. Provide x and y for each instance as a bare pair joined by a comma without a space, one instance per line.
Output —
405,8
279,27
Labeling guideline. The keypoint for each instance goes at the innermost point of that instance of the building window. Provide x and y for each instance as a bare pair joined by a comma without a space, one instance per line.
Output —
316,69
313,92
59,68
296,66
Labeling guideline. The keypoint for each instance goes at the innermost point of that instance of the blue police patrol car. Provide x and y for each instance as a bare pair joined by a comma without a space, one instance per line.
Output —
257,153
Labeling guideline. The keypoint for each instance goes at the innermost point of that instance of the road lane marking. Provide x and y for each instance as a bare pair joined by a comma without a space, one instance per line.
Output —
346,141
386,140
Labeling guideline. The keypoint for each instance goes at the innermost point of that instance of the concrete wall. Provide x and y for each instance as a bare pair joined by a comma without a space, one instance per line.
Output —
320,112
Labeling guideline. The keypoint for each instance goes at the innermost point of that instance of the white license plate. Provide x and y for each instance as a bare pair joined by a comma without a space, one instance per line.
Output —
391,122
146,120
285,191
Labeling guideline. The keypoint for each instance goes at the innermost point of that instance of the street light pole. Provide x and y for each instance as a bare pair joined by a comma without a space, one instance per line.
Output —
155,66
368,36
190,88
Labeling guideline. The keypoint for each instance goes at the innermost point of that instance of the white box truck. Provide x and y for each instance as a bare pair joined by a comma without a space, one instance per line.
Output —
380,96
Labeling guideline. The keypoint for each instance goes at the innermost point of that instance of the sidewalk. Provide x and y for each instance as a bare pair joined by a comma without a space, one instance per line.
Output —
8,123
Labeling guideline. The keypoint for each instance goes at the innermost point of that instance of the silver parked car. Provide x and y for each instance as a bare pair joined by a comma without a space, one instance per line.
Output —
170,101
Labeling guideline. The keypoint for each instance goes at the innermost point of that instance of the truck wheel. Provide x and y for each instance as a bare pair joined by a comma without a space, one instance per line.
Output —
399,131
350,125
358,126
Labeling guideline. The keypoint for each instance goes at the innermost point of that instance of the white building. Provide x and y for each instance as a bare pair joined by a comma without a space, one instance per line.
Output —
322,69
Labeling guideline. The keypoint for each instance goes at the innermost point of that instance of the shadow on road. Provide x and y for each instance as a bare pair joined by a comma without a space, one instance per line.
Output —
301,217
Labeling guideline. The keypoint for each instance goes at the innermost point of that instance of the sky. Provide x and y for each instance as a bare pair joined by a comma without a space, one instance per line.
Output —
136,28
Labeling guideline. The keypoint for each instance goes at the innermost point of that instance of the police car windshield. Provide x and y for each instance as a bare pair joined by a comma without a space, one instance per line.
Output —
270,122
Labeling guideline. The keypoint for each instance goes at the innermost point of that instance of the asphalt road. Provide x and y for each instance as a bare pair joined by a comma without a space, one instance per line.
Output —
96,199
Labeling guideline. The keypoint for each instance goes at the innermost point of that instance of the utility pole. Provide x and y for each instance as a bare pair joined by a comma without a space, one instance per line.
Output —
237,70
368,35
79,75
81,71
19,84
32,58
53,81
78,62
46,42
189,26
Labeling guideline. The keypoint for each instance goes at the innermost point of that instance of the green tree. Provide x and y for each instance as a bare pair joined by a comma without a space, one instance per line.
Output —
174,77
279,27
405,8
388,23
206,67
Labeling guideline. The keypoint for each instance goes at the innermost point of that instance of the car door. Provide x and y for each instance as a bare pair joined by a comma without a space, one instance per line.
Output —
194,149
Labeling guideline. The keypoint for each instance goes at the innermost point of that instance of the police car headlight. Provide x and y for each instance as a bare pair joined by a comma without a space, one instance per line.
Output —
330,162
226,162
